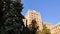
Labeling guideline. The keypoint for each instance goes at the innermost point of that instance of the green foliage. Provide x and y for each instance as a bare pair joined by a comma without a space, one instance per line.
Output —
45,30
39,32
33,27
10,17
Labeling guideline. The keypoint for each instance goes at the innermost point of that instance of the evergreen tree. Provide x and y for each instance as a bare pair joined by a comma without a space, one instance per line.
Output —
33,27
11,17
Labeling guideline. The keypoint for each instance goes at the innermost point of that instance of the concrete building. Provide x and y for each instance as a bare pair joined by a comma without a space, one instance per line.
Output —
32,14
48,25
53,29
56,29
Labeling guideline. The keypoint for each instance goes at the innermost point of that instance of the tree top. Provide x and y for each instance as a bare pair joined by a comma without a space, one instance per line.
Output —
16,0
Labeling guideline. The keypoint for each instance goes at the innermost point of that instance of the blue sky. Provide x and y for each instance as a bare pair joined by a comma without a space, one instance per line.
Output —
49,9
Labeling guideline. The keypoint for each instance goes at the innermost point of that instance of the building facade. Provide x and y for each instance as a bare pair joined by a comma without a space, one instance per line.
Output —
32,14
56,29
48,25
53,29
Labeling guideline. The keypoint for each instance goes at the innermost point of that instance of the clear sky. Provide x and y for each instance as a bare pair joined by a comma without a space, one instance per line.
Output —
49,9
